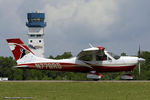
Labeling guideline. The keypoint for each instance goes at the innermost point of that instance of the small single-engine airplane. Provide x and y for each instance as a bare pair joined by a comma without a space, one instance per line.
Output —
94,60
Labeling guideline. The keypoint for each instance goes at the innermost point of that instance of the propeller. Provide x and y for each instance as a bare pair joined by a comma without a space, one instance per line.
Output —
139,68
139,55
140,60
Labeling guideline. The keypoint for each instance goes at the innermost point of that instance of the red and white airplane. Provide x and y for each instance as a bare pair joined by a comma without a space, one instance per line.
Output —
94,60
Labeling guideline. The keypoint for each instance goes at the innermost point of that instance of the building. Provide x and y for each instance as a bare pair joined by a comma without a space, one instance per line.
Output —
3,78
36,26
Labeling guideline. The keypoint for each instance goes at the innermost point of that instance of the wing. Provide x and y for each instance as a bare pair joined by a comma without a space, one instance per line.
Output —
91,51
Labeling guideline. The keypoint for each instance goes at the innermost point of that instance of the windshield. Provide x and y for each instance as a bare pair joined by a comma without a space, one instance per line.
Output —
114,55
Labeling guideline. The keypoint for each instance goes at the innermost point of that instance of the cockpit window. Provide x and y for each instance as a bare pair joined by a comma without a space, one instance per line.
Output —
86,57
100,56
114,55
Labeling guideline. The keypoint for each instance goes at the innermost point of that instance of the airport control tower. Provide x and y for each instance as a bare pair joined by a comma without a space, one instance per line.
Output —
36,26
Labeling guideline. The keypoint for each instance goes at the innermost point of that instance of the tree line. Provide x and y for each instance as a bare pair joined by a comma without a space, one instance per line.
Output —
7,69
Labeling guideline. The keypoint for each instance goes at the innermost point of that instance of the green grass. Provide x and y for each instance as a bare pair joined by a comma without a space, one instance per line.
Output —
76,90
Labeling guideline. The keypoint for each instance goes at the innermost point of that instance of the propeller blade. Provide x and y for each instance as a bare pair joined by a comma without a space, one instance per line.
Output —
139,68
140,59
139,52
139,62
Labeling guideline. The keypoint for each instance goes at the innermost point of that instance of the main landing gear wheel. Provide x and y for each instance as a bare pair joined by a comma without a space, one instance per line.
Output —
94,76
127,77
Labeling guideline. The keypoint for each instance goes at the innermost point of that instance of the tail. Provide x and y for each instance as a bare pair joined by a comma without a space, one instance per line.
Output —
18,48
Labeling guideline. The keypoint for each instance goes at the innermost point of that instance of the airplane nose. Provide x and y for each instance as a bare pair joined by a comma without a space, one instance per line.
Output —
141,59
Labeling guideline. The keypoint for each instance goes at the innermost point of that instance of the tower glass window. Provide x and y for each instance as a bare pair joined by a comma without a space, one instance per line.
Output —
32,35
38,35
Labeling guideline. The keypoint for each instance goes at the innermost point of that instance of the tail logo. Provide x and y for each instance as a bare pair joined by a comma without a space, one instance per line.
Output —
23,53
18,48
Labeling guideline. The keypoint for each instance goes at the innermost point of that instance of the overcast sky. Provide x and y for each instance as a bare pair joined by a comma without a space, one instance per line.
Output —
118,25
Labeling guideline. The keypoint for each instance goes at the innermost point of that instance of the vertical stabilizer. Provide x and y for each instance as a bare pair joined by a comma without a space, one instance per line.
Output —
18,48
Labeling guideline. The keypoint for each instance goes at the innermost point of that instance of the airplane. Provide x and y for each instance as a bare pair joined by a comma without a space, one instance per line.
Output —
93,61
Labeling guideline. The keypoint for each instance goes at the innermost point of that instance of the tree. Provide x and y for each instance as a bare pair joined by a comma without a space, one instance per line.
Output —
6,67
123,54
145,67
65,55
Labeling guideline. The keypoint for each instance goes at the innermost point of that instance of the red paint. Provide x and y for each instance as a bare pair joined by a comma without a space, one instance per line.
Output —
79,68
129,75
114,69
65,67
18,44
96,74
101,48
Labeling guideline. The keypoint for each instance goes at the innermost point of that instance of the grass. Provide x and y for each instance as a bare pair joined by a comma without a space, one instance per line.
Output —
76,90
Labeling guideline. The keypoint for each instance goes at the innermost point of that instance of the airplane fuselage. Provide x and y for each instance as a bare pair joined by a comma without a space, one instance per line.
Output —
93,61
124,63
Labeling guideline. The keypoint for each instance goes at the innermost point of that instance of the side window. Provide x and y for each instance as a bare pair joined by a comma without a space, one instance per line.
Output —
101,57
86,58
30,41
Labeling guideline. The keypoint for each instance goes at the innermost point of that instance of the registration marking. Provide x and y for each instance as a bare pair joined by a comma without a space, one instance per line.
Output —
48,65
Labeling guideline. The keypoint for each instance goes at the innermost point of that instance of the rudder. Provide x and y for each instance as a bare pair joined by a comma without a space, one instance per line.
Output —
18,48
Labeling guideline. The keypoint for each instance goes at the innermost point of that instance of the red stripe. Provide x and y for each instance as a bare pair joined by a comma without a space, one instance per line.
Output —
79,68
101,48
114,69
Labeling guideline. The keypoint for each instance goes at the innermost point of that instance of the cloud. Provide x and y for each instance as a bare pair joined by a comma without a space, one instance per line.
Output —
75,23
95,14
118,25
9,15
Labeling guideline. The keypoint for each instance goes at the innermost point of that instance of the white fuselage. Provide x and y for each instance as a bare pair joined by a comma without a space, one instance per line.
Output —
124,63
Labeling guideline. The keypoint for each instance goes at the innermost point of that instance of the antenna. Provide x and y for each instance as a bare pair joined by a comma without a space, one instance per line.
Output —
91,45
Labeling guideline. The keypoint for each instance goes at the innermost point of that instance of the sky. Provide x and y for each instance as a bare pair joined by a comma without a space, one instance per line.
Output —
118,25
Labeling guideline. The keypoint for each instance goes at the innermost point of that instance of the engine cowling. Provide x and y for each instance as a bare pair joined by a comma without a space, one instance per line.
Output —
94,76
